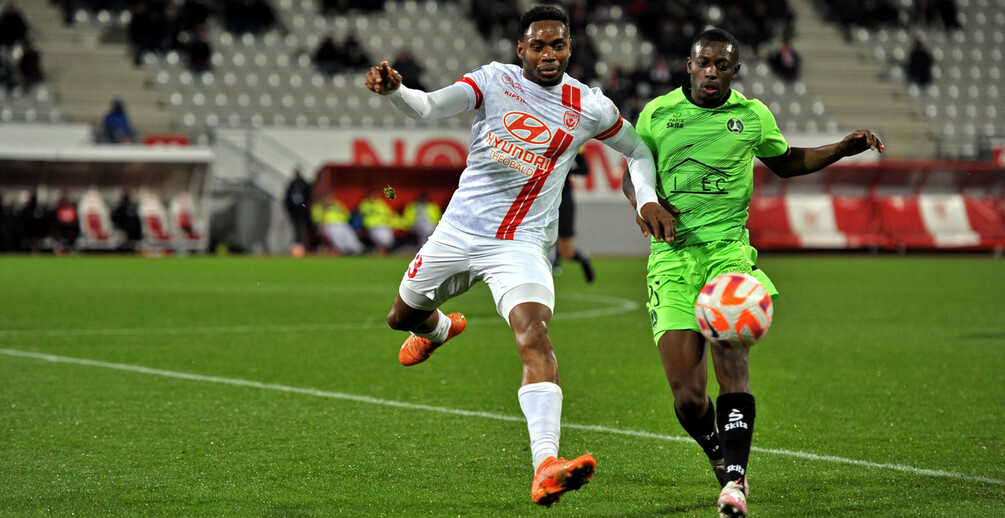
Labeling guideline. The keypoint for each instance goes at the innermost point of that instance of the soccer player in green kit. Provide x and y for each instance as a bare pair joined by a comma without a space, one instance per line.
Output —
704,137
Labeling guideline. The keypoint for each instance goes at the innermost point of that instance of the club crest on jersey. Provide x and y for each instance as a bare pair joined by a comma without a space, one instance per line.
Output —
734,126
527,128
571,119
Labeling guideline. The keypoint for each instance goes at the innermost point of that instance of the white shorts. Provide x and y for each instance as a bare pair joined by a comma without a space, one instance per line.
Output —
451,262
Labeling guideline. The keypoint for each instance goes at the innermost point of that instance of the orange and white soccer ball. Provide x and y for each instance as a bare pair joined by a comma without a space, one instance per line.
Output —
734,310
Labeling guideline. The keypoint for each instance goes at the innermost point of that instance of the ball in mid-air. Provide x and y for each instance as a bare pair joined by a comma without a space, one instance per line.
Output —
734,310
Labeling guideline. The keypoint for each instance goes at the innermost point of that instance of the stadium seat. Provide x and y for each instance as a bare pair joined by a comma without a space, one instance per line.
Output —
185,225
96,231
156,229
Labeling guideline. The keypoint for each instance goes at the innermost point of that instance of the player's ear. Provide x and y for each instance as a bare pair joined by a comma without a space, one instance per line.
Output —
519,48
736,70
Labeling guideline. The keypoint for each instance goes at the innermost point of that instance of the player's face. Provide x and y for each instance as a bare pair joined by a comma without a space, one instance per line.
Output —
712,66
545,49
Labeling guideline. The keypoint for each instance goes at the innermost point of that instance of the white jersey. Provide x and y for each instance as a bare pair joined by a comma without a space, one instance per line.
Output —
524,140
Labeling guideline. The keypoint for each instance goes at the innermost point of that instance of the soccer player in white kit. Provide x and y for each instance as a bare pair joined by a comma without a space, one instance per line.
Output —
502,220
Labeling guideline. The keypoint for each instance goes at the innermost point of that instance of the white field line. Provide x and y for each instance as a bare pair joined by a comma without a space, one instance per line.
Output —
609,306
484,415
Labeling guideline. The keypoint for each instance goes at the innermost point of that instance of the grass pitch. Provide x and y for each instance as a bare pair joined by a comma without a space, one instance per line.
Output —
206,386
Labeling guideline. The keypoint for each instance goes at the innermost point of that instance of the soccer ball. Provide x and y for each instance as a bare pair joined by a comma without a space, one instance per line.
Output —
734,310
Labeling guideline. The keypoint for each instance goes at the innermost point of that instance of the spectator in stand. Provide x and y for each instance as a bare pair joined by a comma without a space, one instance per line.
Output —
8,77
582,63
171,29
260,16
660,75
328,57
341,6
191,14
919,64
420,218
495,17
13,28
298,201
379,220
146,32
354,55
861,13
199,52
933,12
118,128
30,66
404,63
126,217
785,61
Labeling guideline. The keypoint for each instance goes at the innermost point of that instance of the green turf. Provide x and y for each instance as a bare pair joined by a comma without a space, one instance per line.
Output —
270,387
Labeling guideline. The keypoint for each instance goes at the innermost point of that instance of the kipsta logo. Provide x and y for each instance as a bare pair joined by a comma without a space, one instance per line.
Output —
734,125
510,82
527,128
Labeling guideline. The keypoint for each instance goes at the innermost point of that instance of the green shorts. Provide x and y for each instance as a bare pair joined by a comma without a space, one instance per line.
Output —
676,276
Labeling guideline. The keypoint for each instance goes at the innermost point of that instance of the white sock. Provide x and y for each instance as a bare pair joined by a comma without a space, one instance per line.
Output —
542,405
439,333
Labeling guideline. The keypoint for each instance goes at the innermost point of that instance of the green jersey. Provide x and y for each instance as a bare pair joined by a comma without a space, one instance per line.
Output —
705,162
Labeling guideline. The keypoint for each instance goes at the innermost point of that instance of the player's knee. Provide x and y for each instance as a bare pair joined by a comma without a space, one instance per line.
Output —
397,321
532,334
689,399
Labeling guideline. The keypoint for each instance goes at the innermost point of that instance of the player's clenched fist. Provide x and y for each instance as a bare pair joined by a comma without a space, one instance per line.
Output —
383,79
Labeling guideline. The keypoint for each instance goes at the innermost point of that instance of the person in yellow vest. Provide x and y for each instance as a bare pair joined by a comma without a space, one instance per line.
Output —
332,216
420,218
379,220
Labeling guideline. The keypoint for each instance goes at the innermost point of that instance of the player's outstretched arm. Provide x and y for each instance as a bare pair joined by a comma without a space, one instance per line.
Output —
417,104
649,211
652,218
799,161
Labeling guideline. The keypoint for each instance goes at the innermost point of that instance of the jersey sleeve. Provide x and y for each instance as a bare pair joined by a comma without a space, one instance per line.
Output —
473,81
772,142
611,121
643,127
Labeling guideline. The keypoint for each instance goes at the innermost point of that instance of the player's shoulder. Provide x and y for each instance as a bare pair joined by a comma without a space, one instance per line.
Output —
496,68
755,105
671,99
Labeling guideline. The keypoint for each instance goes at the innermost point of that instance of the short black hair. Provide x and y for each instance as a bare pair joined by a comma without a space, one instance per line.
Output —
540,13
717,35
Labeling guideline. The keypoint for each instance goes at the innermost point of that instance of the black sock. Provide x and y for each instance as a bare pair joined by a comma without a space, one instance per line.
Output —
702,430
581,258
736,429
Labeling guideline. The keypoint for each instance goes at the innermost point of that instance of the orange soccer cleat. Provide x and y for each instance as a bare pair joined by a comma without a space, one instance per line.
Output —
417,350
556,476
